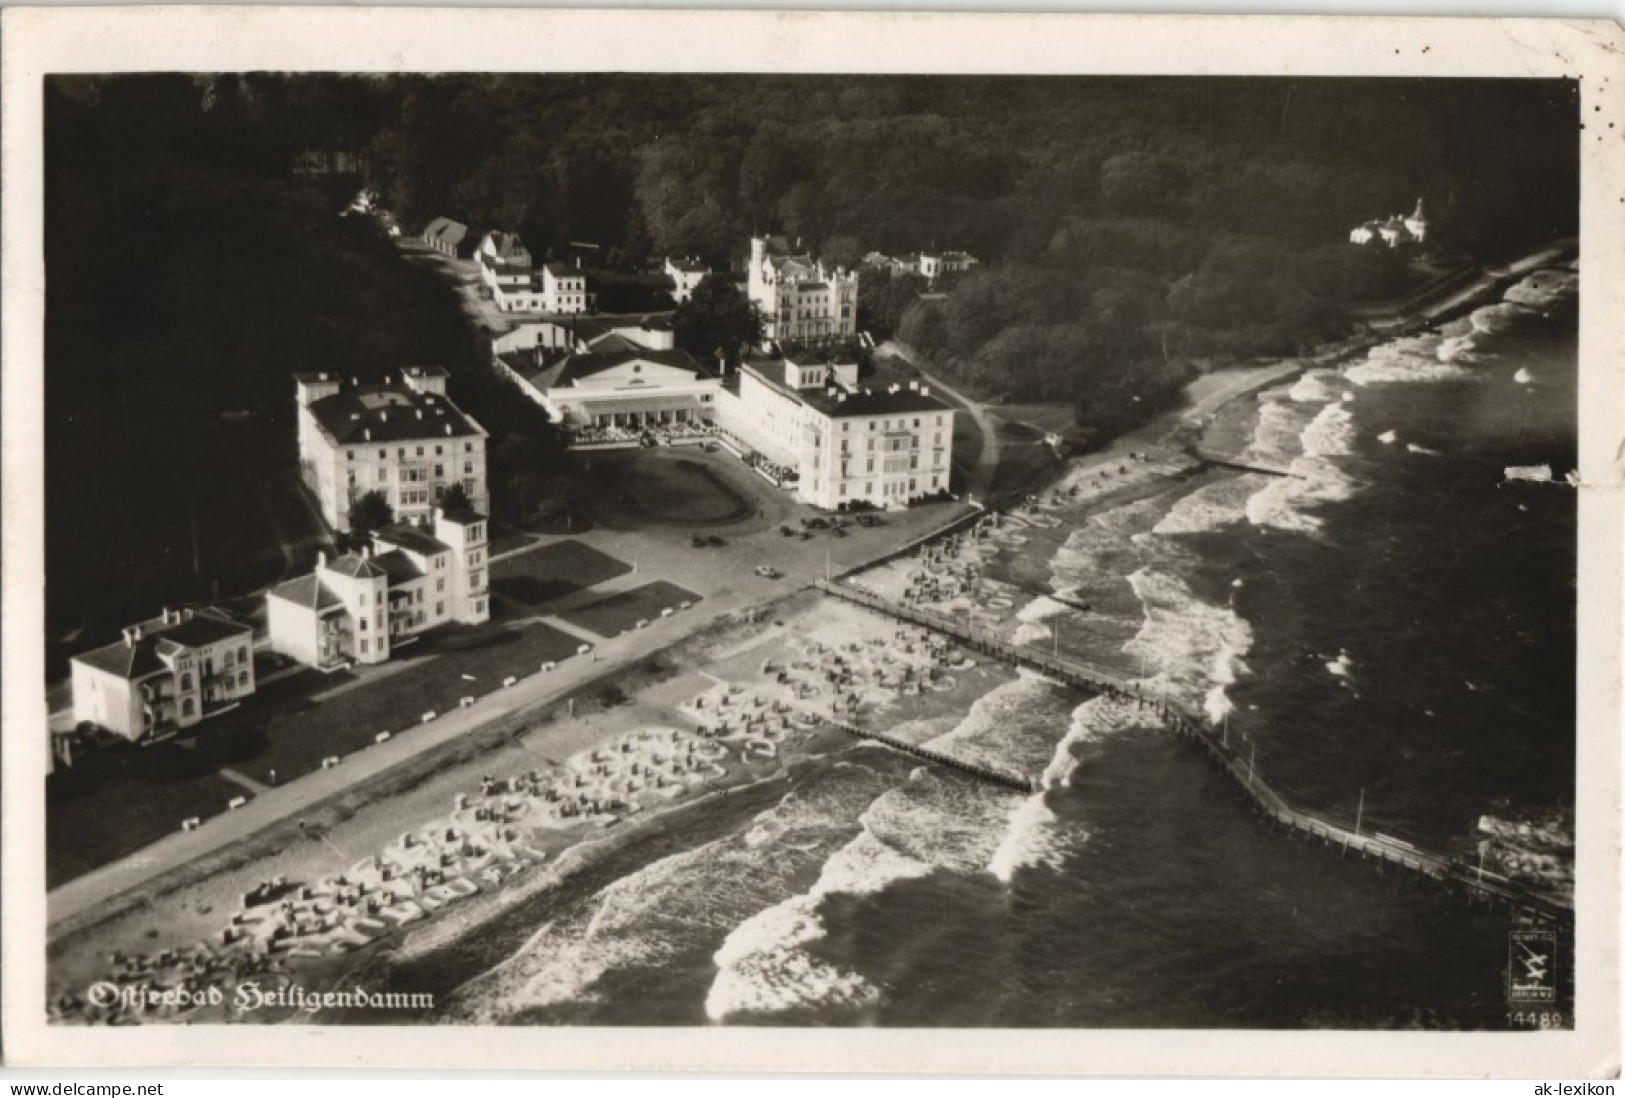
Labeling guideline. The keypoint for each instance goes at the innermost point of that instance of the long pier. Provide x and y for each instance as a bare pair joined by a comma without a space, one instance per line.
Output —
1475,884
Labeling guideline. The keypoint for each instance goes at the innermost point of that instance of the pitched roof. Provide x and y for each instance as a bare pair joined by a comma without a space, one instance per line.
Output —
462,516
558,268
839,402
688,266
575,367
307,591
389,413
355,566
158,637
398,566
508,247
445,230
416,538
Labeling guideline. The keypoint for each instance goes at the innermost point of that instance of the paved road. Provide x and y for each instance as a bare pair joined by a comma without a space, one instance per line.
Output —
987,463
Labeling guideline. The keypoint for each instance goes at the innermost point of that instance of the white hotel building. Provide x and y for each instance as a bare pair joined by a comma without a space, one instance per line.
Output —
405,439
885,446
802,300
359,607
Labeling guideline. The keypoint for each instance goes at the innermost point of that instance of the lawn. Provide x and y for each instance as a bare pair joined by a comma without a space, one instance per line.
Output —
120,801
554,571
676,487
123,799
294,734
615,614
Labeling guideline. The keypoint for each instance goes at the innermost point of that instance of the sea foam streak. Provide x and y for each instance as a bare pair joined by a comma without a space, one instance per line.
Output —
1191,649
931,823
674,905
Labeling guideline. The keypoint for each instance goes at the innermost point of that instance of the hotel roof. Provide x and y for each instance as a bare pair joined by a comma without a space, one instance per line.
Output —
389,413
307,591
415,538
839,402
355,566
446,230
576,367
398,566
158,637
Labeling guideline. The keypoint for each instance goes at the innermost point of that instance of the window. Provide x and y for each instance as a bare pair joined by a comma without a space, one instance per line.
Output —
440,585
349,455
911,484
231,658
475,581
420,449
916,423
468,468
186,682
933,482
242,678
439,470
383,455
242,653
468,447
363,642
439,609
186,707
871,466
420,596
479,606
437,451
363,626
400,452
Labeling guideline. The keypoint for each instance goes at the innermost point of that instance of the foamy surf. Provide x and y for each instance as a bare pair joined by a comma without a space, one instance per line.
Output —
1191,649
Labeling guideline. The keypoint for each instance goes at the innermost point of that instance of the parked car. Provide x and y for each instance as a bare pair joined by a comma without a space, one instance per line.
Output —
767,571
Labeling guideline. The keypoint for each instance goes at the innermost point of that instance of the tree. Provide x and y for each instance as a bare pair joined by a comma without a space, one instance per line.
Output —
456,499
370,511
717,317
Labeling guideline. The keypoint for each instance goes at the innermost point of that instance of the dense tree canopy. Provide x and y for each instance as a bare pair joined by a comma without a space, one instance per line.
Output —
1126,227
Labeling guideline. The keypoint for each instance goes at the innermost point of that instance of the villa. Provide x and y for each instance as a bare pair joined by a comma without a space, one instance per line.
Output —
405,439
802,299
359,607
166,674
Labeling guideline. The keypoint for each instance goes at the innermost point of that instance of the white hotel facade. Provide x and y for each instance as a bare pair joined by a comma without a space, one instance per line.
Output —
405,439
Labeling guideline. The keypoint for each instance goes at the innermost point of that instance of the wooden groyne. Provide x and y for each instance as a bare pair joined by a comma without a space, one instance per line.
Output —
979,771
1231,463
1475,884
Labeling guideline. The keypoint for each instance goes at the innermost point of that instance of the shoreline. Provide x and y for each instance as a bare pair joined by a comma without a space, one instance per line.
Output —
367,806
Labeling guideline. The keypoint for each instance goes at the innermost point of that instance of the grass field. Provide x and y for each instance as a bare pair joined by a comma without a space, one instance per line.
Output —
130,797
124,799
677,487
554,571
615,614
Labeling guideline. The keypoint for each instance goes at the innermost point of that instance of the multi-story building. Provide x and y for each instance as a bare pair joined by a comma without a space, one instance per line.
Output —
685,274
564,289
631,375
359,607
505,268
166,674
802,300
406,440
806,412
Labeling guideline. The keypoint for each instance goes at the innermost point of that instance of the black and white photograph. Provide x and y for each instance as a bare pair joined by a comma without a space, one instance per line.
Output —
752,549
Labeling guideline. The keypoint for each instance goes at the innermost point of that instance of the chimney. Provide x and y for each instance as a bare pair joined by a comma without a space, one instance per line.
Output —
383,416
184,615
130,636
925,390
366,433
321,558
420,413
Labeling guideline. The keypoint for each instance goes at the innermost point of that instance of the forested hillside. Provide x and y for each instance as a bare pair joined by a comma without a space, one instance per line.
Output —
1125,226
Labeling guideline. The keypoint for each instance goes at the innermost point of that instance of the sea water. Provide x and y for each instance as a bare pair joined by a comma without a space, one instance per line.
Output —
1387,632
